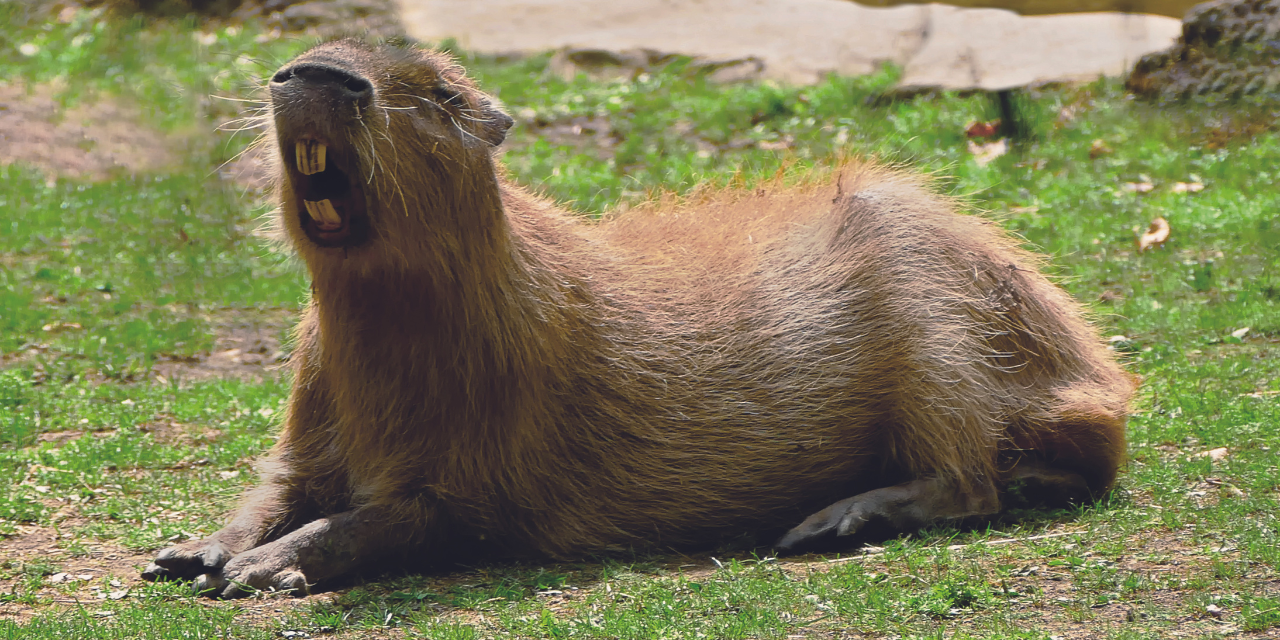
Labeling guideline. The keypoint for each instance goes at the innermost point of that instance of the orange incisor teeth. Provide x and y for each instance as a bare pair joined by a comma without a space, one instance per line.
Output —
323,212
310,156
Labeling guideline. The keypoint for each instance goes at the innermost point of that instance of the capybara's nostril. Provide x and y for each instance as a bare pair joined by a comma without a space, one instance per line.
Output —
351,86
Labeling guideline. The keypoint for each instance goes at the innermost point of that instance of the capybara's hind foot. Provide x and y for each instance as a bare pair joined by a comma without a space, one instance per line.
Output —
271,567
1035,483
218,585
900,508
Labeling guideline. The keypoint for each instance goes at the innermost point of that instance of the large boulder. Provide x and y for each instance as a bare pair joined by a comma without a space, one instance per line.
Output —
1228,49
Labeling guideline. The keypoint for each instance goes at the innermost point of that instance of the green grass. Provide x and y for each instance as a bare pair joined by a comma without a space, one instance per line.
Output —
100,282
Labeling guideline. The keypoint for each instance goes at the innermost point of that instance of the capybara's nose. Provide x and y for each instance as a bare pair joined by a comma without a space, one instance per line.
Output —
347,85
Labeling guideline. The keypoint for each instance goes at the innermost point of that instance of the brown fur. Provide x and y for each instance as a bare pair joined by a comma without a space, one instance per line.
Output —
490,366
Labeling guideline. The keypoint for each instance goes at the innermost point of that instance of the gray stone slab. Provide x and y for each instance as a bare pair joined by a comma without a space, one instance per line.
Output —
800,41
993,49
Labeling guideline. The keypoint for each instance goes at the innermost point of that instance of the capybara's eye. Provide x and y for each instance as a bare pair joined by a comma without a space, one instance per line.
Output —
444,94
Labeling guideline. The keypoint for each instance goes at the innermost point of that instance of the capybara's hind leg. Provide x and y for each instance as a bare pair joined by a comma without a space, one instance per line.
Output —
1037,483
904,507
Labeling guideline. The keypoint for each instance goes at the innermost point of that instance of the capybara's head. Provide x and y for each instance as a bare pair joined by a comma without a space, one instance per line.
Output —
385,152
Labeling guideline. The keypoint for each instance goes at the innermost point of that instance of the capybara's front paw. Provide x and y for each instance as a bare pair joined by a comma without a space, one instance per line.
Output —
266,568
188,560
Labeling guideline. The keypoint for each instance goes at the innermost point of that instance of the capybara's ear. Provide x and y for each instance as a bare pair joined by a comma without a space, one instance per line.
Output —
494,125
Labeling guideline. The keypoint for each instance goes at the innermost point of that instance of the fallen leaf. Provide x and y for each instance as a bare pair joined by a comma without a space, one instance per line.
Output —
1137,187
1215,455
985,153
1187,187
61,326
1098,149
977,129
1155,236
1260,394
786,142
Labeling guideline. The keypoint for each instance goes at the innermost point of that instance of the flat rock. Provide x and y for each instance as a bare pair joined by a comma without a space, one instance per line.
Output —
801,41
993,49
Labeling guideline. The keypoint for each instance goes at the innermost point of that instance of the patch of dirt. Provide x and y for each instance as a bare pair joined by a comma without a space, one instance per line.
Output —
58,438
247,347
585,133
95,140
103,571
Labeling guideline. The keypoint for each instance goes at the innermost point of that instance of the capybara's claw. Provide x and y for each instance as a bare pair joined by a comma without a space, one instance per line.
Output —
218,585
271,567
209,584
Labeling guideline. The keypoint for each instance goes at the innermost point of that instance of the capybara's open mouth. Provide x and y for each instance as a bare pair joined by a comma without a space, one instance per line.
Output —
331,205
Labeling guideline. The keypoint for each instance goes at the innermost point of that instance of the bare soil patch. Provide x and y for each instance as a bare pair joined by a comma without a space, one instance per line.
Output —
102,571
94,140
247,346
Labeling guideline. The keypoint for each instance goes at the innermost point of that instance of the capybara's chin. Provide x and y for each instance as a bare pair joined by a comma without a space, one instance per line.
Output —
831,359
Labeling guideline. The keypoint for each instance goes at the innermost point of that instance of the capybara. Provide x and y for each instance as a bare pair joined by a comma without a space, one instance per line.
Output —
480,371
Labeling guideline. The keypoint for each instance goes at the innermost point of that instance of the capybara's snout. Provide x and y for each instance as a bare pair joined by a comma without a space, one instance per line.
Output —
321,79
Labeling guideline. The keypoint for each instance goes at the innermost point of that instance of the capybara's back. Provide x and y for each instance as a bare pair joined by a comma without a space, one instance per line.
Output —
481,369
